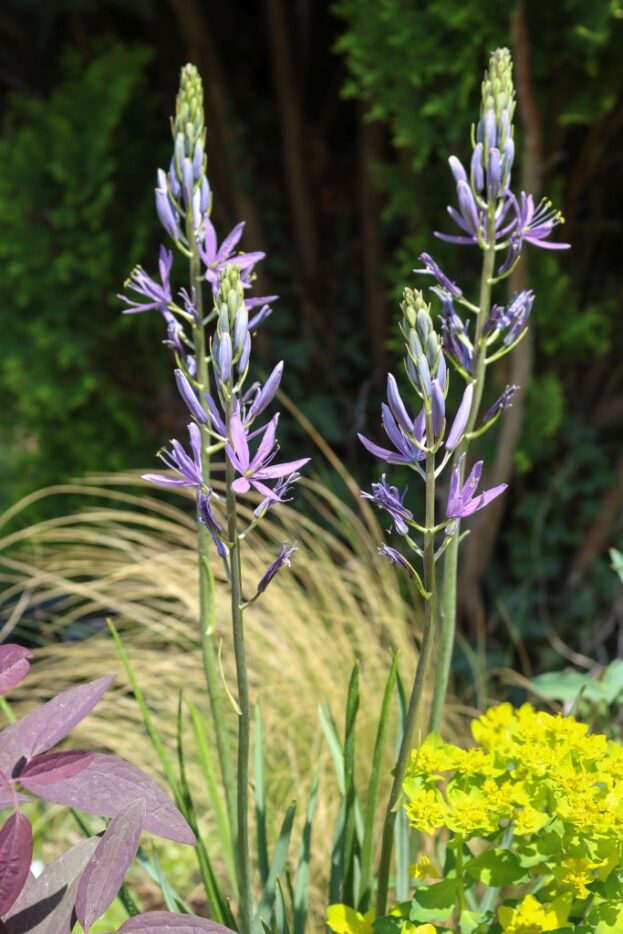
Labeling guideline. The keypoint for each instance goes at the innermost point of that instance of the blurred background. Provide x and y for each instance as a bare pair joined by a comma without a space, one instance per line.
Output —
329,127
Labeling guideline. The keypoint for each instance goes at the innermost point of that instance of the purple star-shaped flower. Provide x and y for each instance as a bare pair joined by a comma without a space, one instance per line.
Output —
463,501
217,258
254,470
158,295
188,468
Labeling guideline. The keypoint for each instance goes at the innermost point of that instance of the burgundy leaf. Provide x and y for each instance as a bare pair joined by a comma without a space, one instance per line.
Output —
15,858
46,726
170,923
113,857
53,767
46,905
107,785
14,665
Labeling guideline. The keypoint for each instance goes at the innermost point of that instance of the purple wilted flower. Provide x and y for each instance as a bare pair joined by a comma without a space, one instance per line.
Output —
513,319
280,490
158,295
433,269
407,451
386,551
282,560
217,258
391,500
504,402
463,501
254,470
188,468
207,518
190,303
455,337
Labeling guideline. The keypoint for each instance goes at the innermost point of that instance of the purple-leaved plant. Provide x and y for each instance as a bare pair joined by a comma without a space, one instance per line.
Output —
79,885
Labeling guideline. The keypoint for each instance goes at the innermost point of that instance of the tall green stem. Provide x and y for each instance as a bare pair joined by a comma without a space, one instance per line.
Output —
417,692
451,557
244,716
207,609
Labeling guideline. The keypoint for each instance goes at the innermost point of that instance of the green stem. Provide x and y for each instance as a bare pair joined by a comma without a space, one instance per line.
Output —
207,608
451,558
417,692
244,719
460,879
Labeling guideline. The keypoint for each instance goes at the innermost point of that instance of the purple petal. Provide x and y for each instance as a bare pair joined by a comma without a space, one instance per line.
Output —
479,502
239,441
397,405
189,397
161,480
266,444
230,242
382,453
241,485
280,470
209,242
460,419
267,392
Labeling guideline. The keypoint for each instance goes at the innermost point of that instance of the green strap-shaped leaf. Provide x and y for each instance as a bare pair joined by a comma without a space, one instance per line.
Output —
208,769
373,790
277,865
301,885
260,798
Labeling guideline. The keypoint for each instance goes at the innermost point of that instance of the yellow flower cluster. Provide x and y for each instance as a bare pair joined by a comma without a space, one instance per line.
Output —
530,770
344,920
531,917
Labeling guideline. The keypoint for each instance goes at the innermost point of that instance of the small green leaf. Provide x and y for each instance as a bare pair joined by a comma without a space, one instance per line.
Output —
496,868
434,902
606,918
473,922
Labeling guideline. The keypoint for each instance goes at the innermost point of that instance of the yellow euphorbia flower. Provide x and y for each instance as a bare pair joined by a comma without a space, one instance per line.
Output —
410,928
424,869
531,917
576,874
345,920
470,815
529,820
426,809
433,756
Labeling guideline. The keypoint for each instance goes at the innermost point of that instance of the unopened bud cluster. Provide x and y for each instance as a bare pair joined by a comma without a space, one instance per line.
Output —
424,361
231,345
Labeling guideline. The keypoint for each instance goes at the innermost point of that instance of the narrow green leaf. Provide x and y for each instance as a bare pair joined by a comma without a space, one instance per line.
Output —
330,731
150,729
301,885
281,914
337,857
172,899
219,907
277,865
260,798
373,790
206,762
349,895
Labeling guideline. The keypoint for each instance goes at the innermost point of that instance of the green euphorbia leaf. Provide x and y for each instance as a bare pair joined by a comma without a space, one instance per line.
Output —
606,918
475,922
434,902
497,868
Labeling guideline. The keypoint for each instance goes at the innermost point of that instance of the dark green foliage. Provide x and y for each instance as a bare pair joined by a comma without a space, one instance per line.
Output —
75,215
